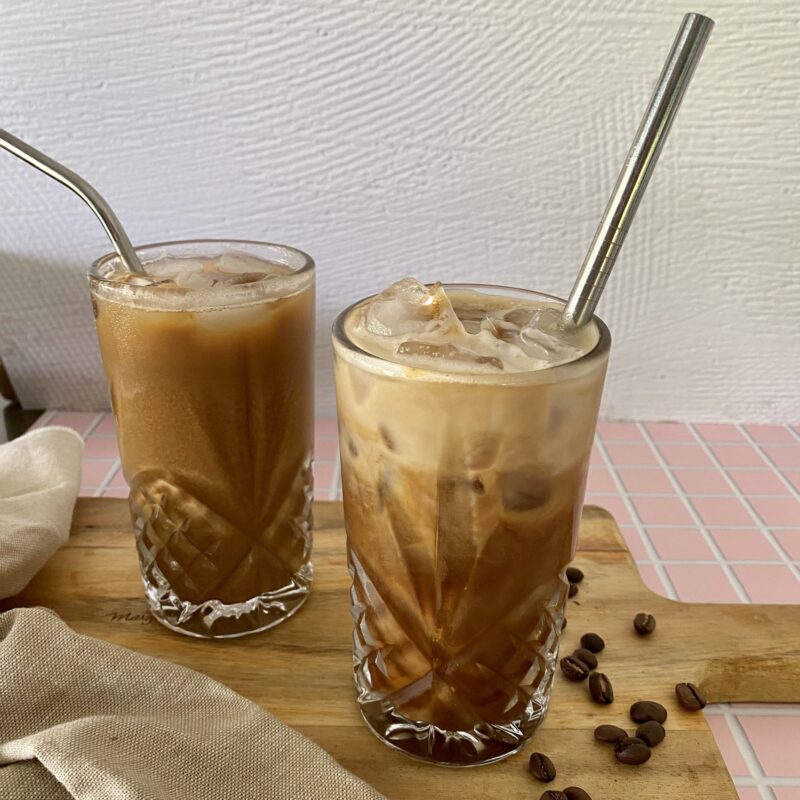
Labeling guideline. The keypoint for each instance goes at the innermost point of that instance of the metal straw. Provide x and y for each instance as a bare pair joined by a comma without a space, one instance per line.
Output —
632,181
87,193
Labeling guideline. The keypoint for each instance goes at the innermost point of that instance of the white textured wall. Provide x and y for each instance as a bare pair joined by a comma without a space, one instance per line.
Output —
461,140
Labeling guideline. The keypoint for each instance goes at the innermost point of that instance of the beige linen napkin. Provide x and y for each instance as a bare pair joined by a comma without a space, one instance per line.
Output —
109,723
39,478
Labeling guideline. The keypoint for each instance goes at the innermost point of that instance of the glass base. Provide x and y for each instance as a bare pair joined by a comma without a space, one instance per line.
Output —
484,744
217,620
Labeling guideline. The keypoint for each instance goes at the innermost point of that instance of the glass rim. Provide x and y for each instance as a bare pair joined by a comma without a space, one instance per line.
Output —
307,266
600,350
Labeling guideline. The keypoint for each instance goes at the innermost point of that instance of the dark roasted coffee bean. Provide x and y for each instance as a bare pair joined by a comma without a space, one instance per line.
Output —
573,590
591,641
576,793
587,656
600,688
644,624
574,669
645,710
651,733
541,767
553,794
574,575
609,733
631,751
690,697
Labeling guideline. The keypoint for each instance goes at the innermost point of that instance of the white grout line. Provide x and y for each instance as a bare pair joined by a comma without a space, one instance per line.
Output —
666,581
115,467
765,710
764,528
706,562
687,443
748,755
709,539
672,494
775,469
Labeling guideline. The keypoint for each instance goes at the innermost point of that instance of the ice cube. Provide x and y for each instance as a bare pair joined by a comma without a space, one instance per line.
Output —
197,281
445,352
408,307
168,267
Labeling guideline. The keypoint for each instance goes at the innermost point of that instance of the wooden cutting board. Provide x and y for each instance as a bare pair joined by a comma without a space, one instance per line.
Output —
302,670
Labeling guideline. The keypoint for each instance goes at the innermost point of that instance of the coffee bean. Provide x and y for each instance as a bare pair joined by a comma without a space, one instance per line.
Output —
576,793
609,733
553,794
591,641
574,669
573,590
645,710
690,697
651,733
600,688
574,575
644,624
587,656
541,767
631,750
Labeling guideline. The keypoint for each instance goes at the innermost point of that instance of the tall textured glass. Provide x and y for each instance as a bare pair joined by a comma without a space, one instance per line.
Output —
462,497
209,360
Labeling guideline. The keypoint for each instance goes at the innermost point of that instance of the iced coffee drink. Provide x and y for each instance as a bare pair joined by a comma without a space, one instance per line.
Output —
466,418
209,359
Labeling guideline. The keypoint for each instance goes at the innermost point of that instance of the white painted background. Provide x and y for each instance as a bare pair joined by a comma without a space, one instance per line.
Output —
461,140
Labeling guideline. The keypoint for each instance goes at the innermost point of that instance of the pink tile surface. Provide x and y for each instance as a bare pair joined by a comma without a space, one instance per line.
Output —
645,481
634,542
744,544
684,455
718,432
775,743
612,503
326,450
625,454
782,511
661,510
787,792
701,583
748,793
619,432
727,745
106,427
600,480
651,578
327,428
100,447
78,421
669,432
93,473
790,541
793,477
737,455
323,474
770,434
769,583
783,455
702,481
680,544
758,481
722,511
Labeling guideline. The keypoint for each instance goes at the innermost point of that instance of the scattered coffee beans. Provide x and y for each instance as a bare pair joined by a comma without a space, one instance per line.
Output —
553,794
574,669
541,767
631,750
644,624
576,793
645,710
573,590
591,641
574,575
600,688
609,733
587,656
651,733
690,697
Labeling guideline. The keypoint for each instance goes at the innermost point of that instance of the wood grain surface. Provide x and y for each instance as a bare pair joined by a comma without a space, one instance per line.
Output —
302,670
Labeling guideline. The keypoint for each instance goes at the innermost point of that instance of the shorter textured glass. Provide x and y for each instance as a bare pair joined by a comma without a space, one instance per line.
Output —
462,498
213,401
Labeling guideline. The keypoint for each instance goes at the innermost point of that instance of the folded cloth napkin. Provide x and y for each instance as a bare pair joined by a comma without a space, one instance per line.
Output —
39,477
104,723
